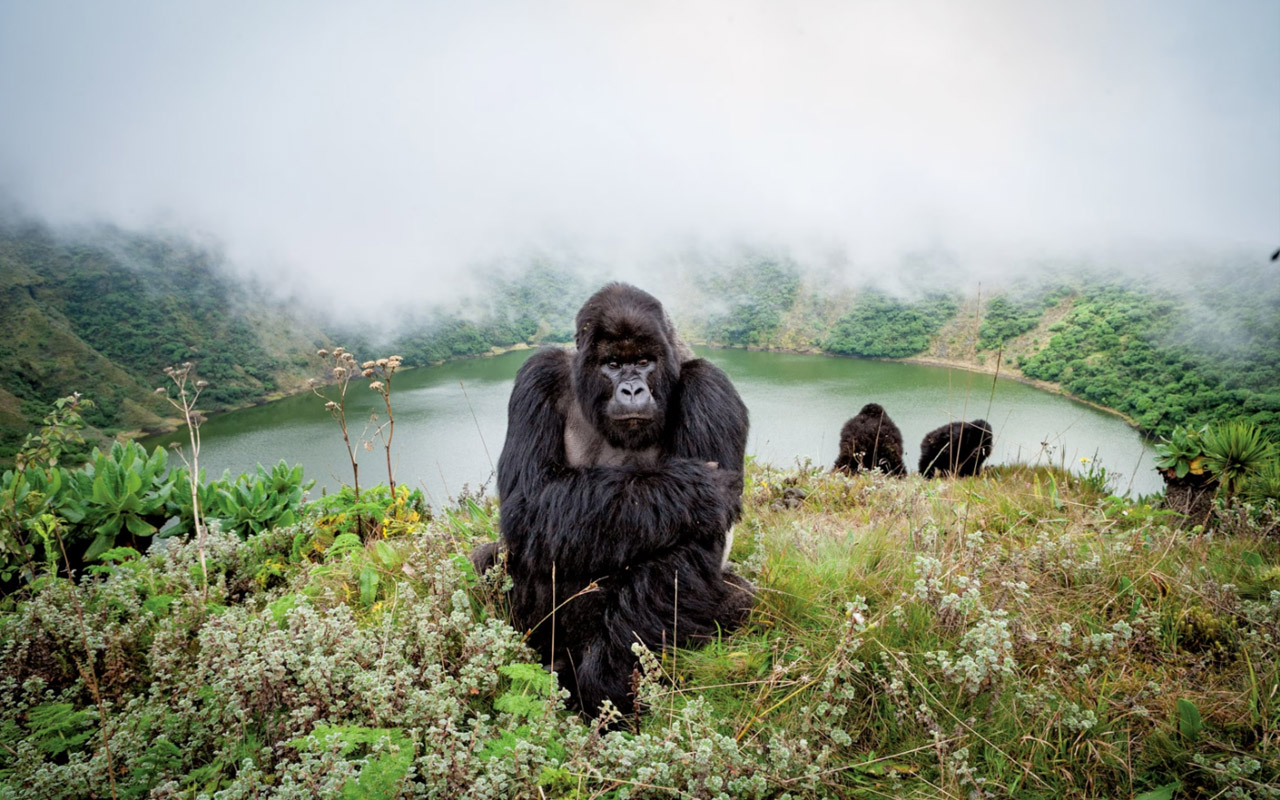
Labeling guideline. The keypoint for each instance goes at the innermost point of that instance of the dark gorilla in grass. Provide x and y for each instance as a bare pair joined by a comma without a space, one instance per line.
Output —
958,448
870,440
619,482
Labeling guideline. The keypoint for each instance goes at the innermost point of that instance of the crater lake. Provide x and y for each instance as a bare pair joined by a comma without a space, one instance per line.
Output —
450,421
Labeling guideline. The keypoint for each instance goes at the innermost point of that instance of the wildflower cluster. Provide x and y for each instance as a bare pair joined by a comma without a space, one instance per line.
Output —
380,372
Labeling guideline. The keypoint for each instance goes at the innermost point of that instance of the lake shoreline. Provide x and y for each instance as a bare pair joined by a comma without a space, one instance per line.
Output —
451,421
175,424
948,363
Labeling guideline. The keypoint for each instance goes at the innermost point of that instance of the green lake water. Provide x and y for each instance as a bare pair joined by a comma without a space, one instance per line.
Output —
451,420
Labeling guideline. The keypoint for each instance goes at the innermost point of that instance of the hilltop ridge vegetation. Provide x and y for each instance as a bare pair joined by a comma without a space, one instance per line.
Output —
103,312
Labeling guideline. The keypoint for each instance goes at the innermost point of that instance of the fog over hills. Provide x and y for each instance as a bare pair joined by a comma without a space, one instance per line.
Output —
376,155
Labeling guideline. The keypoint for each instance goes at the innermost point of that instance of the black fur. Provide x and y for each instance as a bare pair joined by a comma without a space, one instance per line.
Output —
870,441
616,528
956,449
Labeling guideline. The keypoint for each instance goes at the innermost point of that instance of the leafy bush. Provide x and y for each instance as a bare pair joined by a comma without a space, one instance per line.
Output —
757,293
25,496
121,491
376,513
880,326
1005,318
1182,452
249,503
262,501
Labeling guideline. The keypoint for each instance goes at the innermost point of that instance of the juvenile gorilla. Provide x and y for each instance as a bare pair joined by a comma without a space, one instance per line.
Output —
870,440
619,482
956,449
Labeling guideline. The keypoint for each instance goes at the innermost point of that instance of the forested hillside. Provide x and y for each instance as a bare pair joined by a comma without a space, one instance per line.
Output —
1161,355
1165,360
103,312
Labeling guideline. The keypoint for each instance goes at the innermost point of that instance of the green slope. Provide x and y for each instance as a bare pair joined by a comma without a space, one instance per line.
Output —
104,312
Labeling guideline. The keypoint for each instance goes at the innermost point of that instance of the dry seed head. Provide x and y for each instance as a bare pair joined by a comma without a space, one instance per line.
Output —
322,352
366,365
382,362
159,390
368,373
339,372
331,406
337,351
201,384
376,386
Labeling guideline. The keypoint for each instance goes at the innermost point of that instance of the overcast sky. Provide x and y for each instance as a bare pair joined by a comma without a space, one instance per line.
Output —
382,146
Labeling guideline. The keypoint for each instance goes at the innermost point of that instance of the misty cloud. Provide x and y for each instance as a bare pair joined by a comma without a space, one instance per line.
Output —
380,152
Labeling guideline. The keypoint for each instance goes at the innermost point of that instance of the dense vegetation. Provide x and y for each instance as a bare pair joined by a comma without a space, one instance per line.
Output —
538,306
881,326
104,312
1166,360
748,301
1019,635
1007,316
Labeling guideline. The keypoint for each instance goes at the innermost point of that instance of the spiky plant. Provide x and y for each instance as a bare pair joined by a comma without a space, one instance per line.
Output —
1235,450
1263,485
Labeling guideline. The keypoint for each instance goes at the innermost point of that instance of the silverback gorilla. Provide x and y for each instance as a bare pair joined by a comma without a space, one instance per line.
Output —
619,482
870,440
958,448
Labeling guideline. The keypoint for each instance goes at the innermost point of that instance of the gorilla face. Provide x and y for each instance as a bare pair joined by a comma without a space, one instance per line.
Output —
632,401
628,403
625,366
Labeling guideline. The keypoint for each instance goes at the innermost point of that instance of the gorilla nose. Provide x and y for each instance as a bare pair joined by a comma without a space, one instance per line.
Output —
633,394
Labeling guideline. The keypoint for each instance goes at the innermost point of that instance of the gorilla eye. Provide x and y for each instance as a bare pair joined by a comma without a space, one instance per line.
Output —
644,362
613,365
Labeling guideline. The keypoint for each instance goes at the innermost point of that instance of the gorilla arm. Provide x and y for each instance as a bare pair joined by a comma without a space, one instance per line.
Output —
592,521
712,423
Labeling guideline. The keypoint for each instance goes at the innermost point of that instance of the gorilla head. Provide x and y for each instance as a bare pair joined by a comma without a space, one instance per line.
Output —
626,366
